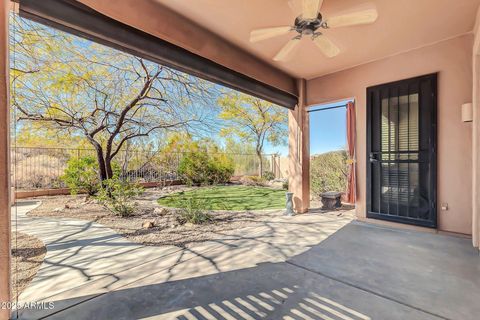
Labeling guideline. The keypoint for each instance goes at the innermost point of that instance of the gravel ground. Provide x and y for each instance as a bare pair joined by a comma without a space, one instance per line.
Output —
166,230
27,256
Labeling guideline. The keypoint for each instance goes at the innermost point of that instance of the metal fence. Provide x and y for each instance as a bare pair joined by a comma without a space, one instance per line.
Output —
42,168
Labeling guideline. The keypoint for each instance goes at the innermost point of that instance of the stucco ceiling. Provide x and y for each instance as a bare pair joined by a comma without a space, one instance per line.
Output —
402,25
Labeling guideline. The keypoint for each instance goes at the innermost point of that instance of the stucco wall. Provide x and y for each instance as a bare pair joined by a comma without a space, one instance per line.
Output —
452,59
158,20
476,135
299,152
5,228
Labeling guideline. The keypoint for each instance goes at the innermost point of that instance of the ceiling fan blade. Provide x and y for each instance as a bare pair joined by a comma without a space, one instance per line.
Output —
326,46
266,33
310,8
287,49
292,4
353,18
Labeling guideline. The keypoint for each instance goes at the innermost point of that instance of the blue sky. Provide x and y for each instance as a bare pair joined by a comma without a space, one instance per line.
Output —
328,131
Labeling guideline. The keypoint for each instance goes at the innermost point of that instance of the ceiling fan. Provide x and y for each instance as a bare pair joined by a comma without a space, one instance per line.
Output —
309,23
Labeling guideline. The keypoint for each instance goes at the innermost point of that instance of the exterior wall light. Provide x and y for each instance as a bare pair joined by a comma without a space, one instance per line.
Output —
467,112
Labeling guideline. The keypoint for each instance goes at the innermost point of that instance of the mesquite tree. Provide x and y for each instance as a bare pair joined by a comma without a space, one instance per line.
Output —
253,120
109,97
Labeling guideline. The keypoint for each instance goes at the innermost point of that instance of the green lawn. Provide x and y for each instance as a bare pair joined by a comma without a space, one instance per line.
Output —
236,198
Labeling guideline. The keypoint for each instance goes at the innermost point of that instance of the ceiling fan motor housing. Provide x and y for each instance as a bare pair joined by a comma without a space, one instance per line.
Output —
307,26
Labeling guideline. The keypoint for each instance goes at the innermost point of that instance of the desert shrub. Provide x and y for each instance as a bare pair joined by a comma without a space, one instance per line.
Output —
117,195
193,212
193,168
82,174
253,181
285,185
328,172
221,169
201,168
268,175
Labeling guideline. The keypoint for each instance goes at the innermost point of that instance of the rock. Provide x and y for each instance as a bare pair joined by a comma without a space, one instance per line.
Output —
173,226
160,211
57,210
147,224
189,225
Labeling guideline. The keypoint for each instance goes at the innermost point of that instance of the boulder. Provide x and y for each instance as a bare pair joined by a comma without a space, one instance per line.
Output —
148,224
160,211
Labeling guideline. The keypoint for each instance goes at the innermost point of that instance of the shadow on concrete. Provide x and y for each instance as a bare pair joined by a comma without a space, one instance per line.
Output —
359,272
236,294
25,203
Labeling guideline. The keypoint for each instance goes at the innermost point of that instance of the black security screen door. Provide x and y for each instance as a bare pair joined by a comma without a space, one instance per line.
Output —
401,156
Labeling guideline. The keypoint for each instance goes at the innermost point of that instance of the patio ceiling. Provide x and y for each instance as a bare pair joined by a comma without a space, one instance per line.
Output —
402,25
154,32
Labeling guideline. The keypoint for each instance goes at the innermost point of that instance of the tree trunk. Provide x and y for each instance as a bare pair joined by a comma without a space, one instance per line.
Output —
260,164
108,167
101,164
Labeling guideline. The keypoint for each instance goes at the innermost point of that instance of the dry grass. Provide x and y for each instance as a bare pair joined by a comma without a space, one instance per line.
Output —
27,256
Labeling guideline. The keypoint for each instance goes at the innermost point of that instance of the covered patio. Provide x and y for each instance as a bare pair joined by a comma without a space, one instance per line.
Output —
310,266
411,249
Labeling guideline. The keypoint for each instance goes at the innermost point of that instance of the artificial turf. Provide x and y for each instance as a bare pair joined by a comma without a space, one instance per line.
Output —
235,198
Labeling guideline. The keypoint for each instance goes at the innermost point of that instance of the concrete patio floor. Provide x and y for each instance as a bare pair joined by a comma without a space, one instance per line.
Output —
311,266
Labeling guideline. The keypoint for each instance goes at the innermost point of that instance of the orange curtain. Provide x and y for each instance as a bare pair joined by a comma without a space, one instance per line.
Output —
351,194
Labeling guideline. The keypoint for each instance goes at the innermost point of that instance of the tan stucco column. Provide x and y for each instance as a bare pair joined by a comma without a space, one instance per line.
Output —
299,152
476,150
476,135
4,162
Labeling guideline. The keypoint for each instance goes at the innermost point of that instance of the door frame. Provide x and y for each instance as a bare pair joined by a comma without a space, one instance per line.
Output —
432,155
